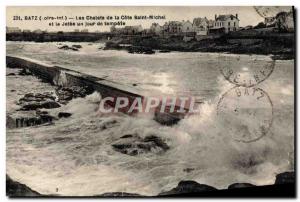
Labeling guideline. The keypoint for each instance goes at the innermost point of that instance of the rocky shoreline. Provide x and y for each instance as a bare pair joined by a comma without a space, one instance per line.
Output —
281,46
184,188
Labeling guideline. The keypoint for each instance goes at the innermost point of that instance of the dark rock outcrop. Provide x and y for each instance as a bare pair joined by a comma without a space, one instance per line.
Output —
134,145
240,185
64,114
11,74
65,47
37,97
32,101
140,50
16,189
33,120
25,72
39,105
76,46
285,178
185,187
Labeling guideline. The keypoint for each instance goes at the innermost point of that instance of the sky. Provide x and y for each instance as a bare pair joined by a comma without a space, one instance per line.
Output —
247,15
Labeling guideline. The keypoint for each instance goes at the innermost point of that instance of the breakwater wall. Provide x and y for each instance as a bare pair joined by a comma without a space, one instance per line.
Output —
61,76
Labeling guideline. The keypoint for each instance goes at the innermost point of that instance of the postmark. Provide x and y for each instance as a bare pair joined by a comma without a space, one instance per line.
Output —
244,71
245,113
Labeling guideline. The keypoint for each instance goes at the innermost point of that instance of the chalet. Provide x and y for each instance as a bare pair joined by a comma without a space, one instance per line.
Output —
187,27
269,21
227,23
200,26
132,29
172,27
155,28
13,30
38,31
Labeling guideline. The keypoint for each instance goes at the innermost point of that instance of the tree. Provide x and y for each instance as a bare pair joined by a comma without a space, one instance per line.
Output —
260,25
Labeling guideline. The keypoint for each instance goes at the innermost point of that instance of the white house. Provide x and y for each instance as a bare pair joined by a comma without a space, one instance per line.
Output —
227,22
13,30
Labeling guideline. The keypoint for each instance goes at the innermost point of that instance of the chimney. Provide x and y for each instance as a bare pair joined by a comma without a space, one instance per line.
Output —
215,16
236,15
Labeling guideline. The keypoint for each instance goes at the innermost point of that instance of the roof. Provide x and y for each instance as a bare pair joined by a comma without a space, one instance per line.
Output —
226,17
199,21
175,23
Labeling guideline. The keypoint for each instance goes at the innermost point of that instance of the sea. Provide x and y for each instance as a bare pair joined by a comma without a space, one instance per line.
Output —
74,156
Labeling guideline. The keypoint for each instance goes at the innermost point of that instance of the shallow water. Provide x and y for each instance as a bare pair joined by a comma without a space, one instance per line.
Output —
75,154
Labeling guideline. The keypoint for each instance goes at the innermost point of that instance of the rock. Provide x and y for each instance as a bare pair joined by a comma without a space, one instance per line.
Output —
188,170
16,189
11,74
49,105
284,178
33,120
76,46
167,119
64,115
38,105
66,94
38,97
240,185
140,50
185,187
119,194
134,145
158,142
30,106
164,51
65,47
25,72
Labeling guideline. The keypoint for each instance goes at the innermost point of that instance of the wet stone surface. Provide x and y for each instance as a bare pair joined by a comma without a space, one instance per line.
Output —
133,145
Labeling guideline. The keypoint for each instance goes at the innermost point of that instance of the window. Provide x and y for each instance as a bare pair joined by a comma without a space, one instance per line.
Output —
234,24
229,24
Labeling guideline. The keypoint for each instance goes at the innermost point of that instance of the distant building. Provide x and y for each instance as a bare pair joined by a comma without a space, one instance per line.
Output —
85,30
130,30
13,30
172,27
269,21
228,23
38,31
200,26
76,30
127,30
187,27
26,31
211,24
155,28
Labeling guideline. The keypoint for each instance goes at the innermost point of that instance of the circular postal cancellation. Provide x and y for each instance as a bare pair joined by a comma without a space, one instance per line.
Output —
244,71
245,113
